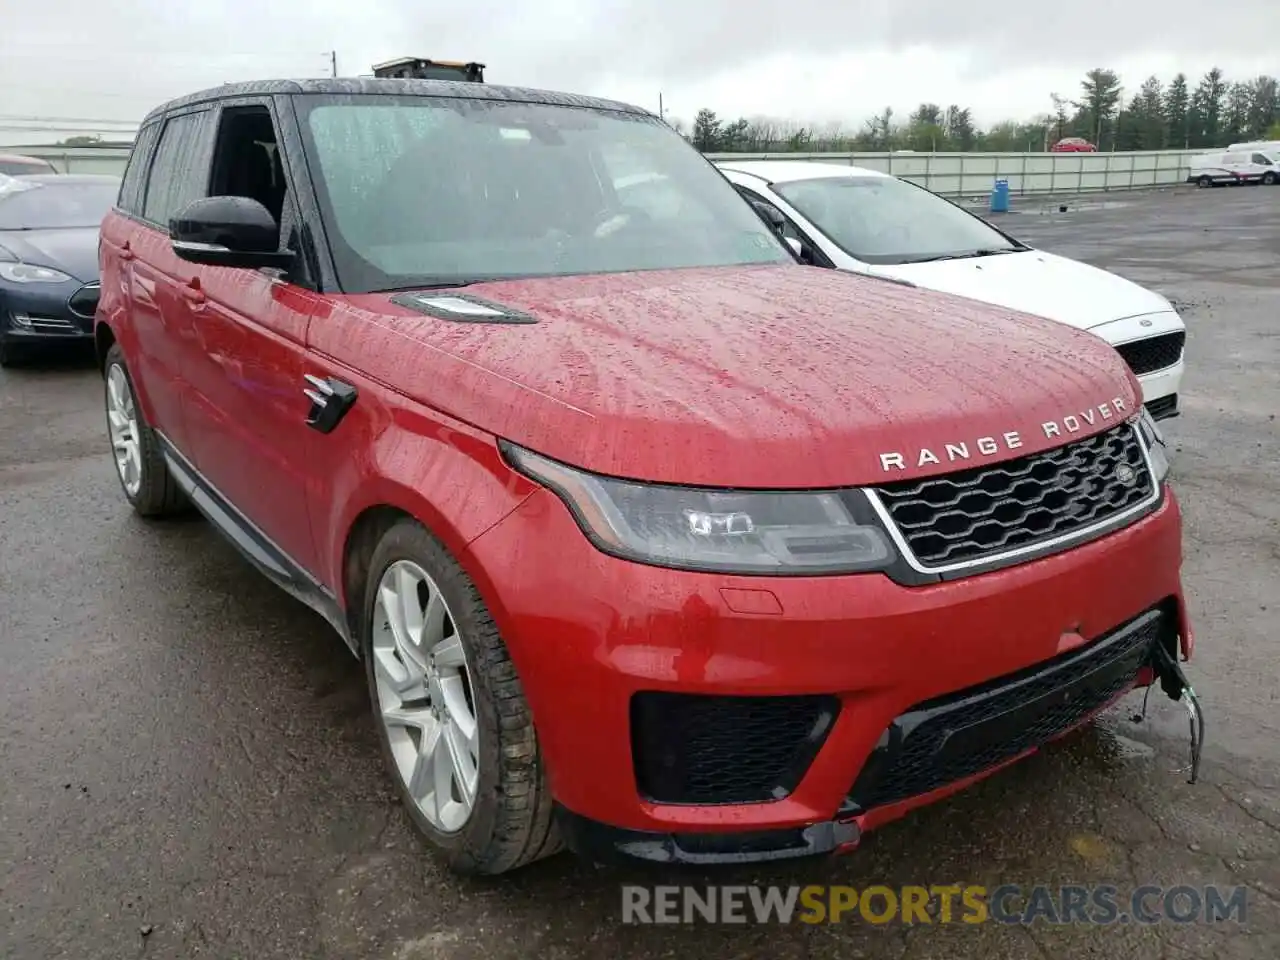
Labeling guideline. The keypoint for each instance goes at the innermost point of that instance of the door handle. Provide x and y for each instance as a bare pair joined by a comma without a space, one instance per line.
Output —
330,401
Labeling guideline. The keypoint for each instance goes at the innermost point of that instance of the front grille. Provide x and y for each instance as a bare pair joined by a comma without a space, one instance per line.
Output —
941,741
982,513
707,749
84,301
1153,353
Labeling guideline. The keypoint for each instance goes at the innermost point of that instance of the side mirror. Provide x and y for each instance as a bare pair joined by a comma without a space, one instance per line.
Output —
228,232
796,246
769,215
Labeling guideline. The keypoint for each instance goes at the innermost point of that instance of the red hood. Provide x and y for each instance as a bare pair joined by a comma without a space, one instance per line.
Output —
783,376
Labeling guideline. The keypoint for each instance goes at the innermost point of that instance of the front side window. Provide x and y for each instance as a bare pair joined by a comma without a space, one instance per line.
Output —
52,205
421,190
1263,160
886,220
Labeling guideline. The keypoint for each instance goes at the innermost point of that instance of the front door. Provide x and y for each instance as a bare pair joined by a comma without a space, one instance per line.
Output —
247,409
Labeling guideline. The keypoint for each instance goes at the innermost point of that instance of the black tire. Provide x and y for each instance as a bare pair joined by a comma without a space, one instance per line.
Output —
1269,178
1204,182
512,823
158,494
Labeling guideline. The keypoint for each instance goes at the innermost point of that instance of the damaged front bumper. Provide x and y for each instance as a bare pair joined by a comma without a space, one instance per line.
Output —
941,747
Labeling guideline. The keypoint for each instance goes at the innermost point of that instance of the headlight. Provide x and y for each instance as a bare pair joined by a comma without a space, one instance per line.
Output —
725,531
29,273
1153,439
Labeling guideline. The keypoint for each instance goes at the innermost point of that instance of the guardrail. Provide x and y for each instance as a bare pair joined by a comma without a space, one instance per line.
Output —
974,174
949,174
101,160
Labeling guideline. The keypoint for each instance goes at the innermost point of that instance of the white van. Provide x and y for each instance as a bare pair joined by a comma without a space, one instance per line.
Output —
1234,166
1270,147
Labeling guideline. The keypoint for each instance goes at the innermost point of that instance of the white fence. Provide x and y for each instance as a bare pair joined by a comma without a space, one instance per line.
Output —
974,174
950,174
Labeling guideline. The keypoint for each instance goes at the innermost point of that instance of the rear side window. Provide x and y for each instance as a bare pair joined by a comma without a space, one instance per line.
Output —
180,170
135,173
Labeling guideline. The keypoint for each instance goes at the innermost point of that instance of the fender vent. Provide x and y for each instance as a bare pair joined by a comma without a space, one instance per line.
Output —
461,308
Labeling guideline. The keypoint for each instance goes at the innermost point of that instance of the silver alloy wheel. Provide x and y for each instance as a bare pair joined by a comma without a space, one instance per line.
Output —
425,695
122,422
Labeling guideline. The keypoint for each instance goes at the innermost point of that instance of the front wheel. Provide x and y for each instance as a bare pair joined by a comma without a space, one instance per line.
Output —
456,731
1204,182
1269,178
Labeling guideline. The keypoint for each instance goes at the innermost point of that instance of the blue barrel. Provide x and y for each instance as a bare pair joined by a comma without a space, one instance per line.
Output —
1000,197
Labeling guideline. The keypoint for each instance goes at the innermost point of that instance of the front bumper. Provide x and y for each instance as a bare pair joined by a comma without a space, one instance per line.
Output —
47,312
1160,386
927,753
592,636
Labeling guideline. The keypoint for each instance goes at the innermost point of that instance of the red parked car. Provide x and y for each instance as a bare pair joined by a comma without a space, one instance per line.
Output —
653,540
1073,145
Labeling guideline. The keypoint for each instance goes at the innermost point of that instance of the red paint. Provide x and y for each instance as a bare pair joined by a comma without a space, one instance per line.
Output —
1069,640
758,602
754,377
784,377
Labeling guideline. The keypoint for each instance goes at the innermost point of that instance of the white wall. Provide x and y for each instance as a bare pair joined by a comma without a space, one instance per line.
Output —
974,174
951,174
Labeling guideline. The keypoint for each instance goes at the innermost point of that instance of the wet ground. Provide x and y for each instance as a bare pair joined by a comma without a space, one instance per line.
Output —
187,768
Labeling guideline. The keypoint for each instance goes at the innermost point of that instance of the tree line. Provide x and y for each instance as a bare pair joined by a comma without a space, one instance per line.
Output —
1155,117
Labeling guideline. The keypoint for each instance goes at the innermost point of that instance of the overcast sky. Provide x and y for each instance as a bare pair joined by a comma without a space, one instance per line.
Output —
821,60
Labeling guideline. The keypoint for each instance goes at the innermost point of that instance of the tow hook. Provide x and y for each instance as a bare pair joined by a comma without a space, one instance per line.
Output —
1178,688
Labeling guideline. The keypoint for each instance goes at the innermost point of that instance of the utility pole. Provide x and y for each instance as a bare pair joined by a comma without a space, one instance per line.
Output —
333,62
661,114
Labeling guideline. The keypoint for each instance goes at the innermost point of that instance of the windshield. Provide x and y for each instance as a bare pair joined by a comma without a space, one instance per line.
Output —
419,191
886,220
52,205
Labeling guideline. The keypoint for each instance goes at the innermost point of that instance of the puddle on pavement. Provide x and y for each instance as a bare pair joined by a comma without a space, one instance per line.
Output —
1106,744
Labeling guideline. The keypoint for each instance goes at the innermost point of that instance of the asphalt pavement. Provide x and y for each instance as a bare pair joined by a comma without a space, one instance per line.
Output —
188,767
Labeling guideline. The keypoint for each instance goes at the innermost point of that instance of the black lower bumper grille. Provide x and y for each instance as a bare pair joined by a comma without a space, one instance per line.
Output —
944,740
1163,407
983,513
712,750
1153,353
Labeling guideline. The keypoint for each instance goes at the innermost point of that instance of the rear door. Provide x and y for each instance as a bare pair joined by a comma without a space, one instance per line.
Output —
244,360
160,321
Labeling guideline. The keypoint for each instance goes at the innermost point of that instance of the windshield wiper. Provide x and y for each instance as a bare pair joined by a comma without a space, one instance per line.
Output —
964,256
435,283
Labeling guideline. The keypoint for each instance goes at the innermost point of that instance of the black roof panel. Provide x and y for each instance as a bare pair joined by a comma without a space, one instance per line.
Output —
392,87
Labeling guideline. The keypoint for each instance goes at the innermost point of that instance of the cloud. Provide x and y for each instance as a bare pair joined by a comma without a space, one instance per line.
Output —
803,59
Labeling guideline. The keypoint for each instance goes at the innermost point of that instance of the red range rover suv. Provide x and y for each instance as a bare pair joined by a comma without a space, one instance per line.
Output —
653,541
